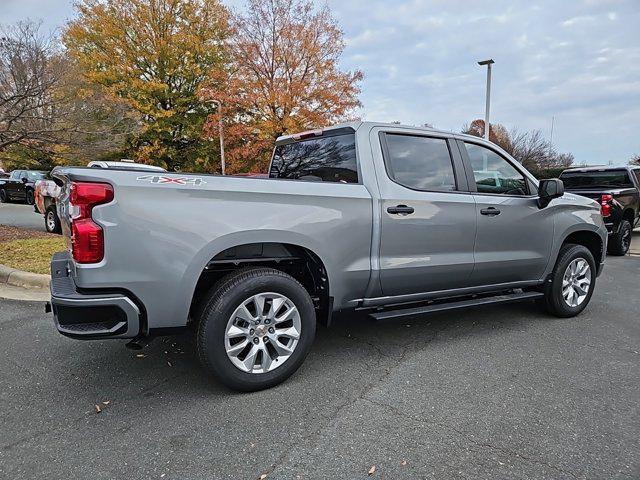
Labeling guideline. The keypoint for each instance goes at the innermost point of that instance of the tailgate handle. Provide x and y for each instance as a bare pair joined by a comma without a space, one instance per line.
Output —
400,210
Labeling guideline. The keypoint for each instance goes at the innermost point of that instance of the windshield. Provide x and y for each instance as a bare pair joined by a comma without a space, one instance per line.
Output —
609,178
36,175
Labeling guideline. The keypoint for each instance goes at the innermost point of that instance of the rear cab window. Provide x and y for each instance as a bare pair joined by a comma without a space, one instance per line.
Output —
327,158
596,179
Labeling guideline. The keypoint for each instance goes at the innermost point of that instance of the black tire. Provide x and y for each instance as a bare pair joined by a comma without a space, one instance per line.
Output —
4,198
30,197
51,220
553,299
619,243
217,308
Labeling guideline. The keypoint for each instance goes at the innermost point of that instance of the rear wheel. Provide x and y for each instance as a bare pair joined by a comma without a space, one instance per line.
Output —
572,282
51,220
619,243
255,328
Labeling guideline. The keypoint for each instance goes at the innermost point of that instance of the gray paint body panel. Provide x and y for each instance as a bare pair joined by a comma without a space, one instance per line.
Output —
159,237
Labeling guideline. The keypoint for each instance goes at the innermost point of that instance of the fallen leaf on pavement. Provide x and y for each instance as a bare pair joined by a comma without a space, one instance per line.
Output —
98,409
263,476
372,470
107,402
404,462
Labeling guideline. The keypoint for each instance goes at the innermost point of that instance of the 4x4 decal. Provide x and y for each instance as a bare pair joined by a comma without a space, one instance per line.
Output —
171,180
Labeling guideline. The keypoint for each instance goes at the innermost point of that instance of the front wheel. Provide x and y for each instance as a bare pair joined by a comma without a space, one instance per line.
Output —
51,220
572,282
255,328
30,197
4,198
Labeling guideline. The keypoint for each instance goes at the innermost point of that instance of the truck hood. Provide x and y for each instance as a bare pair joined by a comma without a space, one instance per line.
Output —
581,199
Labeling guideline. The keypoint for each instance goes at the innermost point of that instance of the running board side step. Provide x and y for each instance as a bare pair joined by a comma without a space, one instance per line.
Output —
444,306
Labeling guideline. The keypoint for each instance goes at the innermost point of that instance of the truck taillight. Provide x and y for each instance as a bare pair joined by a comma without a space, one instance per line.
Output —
605,204
87,237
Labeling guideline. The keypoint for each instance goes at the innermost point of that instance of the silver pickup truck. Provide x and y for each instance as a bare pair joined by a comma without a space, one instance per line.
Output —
396,221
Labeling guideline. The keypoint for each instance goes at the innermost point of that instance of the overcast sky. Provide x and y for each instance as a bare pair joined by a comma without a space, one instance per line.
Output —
576,60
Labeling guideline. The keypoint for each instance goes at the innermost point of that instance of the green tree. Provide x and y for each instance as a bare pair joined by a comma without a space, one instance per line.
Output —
154,55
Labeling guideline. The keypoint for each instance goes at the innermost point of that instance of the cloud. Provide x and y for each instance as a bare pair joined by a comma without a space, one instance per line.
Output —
578,61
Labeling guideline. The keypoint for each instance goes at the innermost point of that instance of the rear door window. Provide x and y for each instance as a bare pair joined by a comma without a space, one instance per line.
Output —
325,159
420,163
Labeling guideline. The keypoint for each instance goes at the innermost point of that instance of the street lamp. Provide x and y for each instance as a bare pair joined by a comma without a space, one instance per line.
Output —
221,133
488,63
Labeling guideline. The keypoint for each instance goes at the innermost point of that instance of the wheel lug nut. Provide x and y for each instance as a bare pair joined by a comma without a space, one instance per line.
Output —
256,340
267,321
251,332
271,330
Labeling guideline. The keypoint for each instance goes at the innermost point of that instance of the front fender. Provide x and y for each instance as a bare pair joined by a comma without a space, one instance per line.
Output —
576,214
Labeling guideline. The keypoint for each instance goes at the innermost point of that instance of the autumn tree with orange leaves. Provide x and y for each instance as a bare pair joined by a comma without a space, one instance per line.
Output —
154,55
283,77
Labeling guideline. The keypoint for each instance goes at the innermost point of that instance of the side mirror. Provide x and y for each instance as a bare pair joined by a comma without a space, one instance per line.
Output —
548,190
24,179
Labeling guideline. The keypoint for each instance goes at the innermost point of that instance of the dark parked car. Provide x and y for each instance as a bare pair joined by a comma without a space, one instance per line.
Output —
617,190
20,186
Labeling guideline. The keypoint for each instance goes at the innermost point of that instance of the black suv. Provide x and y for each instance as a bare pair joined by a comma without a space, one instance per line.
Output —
617,190
20,186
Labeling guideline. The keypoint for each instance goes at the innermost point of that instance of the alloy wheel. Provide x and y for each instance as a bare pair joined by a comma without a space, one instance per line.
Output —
576,282
263,332
51,221
626,240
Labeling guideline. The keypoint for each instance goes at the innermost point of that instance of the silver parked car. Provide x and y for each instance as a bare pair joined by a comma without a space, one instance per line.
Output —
383,218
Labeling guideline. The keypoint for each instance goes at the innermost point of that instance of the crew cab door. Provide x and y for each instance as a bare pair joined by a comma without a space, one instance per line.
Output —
428,220
514,236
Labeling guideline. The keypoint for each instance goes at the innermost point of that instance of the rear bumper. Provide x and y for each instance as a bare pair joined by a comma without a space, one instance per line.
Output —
88,316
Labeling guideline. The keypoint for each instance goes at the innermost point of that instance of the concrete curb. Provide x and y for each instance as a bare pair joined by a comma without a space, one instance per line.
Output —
18,278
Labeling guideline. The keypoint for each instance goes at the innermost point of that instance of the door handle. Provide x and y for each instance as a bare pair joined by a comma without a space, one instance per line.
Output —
491,211
400,210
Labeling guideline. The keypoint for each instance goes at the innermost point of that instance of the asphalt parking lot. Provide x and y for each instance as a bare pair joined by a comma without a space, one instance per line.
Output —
498,392
21,215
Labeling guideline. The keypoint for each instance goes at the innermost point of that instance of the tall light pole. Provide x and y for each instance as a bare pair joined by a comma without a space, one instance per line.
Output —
553,121
221,133
487,127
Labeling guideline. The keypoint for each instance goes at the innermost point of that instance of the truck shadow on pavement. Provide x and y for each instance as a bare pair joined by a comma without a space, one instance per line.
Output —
352,348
